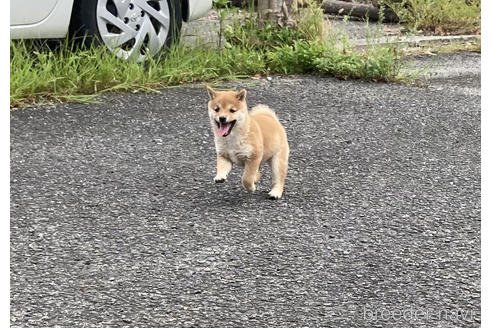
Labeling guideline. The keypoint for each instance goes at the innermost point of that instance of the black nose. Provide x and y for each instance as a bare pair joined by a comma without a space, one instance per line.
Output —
222,119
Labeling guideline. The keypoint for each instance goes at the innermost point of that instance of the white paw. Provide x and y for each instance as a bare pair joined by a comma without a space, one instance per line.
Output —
219,179
274,194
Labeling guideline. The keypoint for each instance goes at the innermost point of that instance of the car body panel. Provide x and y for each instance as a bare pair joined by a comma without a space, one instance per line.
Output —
54,25
24,12
42,22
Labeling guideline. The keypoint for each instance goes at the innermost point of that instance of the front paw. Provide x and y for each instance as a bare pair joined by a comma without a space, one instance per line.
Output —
219,179
275,194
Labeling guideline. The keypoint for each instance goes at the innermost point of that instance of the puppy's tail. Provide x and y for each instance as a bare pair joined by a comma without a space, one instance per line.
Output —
263,109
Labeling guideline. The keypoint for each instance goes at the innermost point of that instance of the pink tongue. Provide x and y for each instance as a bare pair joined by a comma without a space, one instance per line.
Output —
223,129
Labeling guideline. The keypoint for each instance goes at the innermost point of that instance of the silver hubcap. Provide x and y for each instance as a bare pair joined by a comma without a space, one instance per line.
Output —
133,29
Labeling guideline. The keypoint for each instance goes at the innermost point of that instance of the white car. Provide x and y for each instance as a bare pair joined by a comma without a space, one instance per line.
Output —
130,28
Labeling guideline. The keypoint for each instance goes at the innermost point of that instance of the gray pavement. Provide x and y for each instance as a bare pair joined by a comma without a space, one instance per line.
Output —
116,221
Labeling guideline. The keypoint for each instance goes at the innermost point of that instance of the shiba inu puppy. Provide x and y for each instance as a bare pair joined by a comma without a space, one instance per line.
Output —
247,138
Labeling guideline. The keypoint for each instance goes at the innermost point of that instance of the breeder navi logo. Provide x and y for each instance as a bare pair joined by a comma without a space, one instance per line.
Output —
411,314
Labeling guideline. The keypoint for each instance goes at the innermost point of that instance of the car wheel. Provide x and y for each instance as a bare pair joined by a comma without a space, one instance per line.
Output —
131,29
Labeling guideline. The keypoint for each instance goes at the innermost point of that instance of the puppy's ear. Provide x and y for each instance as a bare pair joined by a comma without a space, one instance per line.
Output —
241,95
211,93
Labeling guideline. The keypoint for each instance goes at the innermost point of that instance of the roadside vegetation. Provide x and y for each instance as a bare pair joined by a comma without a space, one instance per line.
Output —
39,74
438,16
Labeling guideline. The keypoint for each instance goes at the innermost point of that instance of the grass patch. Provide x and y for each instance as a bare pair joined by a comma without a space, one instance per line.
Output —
313,48
439,16
40,75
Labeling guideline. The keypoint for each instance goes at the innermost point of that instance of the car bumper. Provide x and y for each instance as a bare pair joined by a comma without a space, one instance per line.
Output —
198,8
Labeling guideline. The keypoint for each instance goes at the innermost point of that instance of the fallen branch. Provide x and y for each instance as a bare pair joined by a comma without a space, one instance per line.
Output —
337,7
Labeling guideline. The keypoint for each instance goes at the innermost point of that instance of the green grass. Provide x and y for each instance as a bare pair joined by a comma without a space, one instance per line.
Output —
39,75
439,16
376,64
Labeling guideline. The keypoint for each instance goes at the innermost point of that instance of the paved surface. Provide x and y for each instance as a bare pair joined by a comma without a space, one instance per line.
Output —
115,220
361,30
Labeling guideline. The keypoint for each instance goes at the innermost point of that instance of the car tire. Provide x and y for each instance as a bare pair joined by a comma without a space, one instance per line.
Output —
131,29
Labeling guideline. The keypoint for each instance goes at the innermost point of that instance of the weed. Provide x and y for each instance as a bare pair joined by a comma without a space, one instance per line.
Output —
223,11
40,75
439,16
311,26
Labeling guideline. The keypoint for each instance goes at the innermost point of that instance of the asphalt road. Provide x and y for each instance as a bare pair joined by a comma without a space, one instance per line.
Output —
116,221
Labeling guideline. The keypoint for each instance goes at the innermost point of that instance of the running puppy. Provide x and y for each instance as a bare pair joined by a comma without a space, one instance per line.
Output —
247,139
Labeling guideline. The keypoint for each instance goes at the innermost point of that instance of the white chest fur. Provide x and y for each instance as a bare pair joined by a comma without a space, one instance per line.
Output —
233,148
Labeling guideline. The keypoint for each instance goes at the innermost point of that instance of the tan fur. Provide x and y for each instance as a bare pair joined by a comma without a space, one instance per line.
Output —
256,137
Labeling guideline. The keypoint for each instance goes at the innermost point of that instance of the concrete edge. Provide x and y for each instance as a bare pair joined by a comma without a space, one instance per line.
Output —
415,41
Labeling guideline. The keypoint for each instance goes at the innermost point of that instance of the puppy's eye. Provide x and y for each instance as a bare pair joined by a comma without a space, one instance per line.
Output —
216,109
232,110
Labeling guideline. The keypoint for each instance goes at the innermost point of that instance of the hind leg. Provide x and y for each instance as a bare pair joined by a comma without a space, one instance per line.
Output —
278,164
251,173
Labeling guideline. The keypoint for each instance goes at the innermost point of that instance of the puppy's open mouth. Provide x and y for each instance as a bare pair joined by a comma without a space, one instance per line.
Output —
225,128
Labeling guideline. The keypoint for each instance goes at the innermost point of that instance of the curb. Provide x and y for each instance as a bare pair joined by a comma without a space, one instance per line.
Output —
416,41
